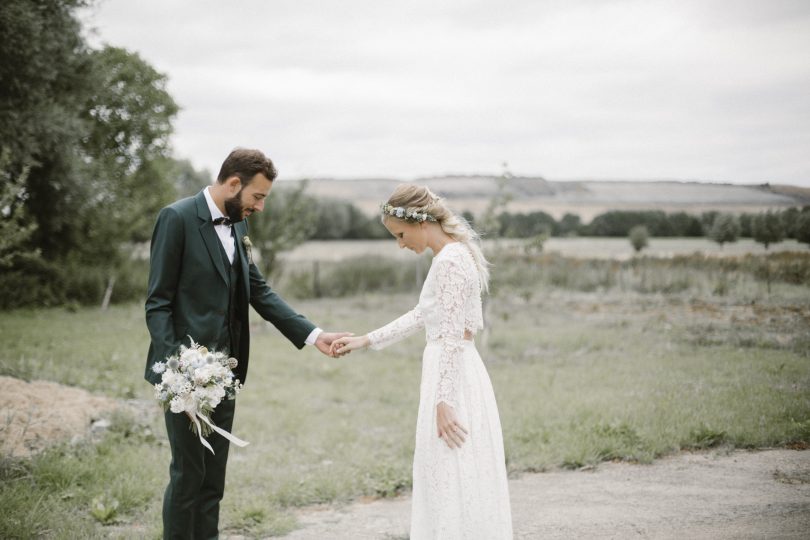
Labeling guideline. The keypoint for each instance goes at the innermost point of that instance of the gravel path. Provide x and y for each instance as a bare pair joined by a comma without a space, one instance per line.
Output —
763,494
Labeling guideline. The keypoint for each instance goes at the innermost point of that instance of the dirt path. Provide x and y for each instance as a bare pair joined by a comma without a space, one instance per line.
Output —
762,494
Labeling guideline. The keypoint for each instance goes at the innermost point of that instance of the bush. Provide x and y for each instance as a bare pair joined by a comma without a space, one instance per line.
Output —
726,228
355,275
39,283
767,228
638,237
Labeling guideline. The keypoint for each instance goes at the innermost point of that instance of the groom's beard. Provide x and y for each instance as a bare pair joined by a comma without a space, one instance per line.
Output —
234,208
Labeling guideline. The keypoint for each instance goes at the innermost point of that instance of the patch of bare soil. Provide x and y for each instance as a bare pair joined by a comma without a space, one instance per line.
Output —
37,414
716,495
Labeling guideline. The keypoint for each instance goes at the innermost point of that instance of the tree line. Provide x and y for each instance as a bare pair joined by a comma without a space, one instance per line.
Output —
85,159
329,219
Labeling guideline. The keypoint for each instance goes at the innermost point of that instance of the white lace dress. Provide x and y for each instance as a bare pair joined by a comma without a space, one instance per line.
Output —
462,493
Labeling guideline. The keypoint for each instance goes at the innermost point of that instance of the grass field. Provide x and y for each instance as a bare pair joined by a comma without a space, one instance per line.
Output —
581,376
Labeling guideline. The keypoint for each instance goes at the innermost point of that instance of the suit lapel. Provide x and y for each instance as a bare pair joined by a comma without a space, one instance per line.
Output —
209,235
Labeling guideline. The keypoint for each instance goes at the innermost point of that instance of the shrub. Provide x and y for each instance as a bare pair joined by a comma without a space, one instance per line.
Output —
767,228
726,228
638,237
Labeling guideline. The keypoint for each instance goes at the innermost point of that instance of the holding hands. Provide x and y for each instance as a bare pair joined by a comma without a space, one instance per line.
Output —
325,341
347,344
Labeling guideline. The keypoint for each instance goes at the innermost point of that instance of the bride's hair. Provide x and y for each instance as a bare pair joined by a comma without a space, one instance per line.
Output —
414,198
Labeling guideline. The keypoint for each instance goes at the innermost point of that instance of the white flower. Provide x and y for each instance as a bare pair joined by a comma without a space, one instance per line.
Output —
204,374
176,404
189,355
172,363
159,367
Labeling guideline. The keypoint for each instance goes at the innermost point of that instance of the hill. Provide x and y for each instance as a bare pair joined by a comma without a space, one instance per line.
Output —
585,198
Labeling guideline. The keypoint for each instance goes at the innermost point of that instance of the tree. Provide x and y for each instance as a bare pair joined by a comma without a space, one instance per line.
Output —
639,237
570,224
289,218
802,227
726,228
45,72
767,228
490,224
746,225
684,224
789,217
15,227
129,115
186,179
87,139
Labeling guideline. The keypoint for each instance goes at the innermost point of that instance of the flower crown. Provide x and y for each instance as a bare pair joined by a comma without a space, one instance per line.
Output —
406,213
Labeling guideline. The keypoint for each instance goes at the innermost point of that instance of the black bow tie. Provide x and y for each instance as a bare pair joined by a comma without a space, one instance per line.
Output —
223,221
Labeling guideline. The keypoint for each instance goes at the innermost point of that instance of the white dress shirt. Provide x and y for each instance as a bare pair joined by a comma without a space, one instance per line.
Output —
225,234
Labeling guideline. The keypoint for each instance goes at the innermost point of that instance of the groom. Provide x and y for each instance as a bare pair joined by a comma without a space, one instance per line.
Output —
201,280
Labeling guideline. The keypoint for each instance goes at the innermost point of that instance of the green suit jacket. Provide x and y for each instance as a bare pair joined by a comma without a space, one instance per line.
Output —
188,288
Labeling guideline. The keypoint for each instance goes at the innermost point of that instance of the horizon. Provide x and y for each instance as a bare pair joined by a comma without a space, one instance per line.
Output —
538,177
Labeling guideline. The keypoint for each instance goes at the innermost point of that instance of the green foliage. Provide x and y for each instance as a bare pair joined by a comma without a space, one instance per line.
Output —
702,437
342,220
129,115
104,508
658,223
15,227
85,135
187,180
801,229
789,217
354,275
639,237
767,228
526,225
569,225
289,219
726,228
535,244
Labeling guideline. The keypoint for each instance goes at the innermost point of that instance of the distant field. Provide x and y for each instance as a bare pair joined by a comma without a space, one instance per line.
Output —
600,248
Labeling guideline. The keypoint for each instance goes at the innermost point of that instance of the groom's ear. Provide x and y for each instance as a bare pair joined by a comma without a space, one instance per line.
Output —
233,183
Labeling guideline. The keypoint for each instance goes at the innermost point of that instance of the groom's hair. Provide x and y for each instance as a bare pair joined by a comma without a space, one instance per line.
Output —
246,163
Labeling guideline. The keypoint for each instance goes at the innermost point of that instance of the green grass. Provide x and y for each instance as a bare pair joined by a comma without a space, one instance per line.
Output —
580,378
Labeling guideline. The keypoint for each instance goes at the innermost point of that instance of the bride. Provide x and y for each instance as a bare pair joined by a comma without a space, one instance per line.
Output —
460,489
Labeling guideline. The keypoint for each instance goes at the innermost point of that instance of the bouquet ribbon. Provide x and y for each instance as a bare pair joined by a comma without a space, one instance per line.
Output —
233,438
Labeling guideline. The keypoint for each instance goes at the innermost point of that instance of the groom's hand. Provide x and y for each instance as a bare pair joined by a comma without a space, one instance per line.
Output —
325,339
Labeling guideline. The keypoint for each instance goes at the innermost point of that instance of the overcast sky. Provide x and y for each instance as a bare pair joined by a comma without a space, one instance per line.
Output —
614,89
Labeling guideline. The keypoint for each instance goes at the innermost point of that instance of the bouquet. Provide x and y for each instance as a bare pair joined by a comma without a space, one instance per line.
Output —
194,382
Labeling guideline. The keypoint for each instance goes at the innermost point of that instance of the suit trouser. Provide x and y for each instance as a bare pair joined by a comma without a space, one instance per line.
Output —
196,477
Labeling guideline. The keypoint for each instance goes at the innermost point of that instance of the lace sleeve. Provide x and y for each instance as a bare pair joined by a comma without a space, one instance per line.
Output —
397,329
450,291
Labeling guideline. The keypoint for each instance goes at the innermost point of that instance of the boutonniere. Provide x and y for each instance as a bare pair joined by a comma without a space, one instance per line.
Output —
248,244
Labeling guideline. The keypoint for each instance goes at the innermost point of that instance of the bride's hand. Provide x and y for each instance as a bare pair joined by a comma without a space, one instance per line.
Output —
348,344
448,428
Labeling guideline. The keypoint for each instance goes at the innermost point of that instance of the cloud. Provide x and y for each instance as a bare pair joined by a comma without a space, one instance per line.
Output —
713,90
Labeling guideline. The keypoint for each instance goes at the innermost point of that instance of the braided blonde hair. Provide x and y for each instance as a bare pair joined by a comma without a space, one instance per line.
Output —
415,198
